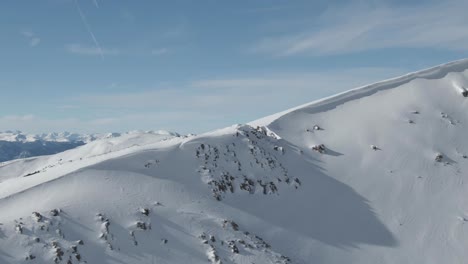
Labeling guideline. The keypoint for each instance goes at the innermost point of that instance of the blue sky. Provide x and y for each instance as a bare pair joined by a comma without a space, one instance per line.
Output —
193,66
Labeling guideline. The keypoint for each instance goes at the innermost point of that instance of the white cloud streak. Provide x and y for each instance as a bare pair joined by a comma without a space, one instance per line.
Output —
214,103
160,51
88,28
196,106
357,28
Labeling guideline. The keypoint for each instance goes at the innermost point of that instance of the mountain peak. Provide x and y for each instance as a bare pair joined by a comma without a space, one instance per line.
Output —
436,72
372,175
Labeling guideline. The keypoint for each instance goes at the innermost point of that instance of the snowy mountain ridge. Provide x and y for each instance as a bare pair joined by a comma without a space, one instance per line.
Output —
373,175
436,72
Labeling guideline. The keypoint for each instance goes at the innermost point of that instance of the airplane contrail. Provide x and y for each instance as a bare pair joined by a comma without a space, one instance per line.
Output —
88,27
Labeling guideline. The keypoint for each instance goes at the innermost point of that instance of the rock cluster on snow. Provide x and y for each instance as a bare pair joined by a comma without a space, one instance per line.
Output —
226,168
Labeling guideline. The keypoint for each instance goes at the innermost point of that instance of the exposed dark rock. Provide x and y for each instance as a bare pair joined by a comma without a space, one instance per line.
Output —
141,225
37,216
145,211
319,148
54,212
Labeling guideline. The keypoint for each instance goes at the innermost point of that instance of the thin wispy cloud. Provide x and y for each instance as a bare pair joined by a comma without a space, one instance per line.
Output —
90,50
357,28
208,93
228,98
33,39
160,51
67,107
18,118
95,2
88,28
287,85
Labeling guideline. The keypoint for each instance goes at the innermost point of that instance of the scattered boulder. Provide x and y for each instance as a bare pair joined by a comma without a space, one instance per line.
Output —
203,238
30,257
106,225
462,90
284,258
374,147
145,211
213,256
439,157
58,252
233,247
54,212
141,225
317,127
19,229
296,180
319,148
74,249
277,148
37,216
100,217
232,224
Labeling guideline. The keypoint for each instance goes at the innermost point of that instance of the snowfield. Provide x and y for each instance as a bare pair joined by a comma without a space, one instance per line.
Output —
373,175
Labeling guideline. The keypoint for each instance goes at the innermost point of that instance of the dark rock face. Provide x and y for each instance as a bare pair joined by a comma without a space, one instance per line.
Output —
18,150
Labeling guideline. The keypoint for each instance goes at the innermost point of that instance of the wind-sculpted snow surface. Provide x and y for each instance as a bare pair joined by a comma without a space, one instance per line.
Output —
375,175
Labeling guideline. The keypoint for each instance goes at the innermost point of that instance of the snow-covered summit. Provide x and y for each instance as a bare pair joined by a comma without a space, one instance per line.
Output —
373,175
457,84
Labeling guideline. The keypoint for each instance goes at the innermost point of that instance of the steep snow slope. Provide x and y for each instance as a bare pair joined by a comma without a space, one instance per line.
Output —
386,186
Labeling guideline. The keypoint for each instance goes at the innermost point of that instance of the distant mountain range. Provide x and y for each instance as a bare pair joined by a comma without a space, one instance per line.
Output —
16,144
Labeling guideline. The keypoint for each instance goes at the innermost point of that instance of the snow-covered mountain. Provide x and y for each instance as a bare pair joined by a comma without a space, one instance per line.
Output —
16,144
373,175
